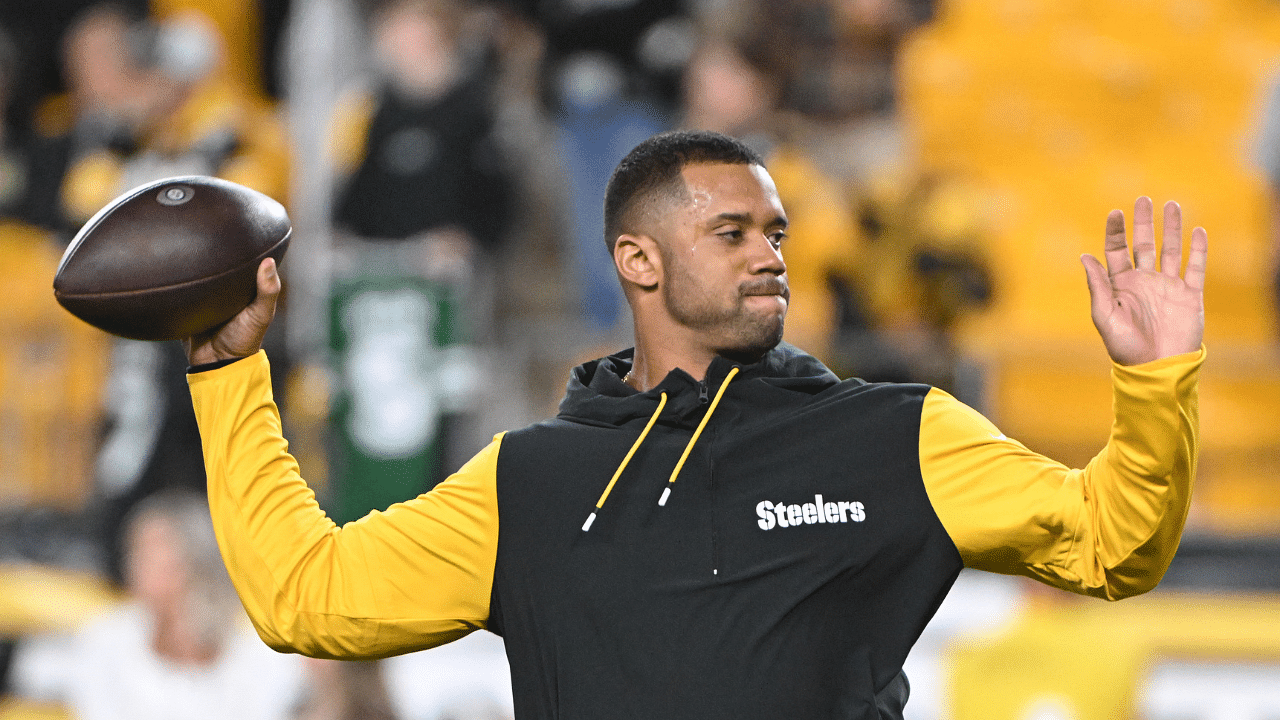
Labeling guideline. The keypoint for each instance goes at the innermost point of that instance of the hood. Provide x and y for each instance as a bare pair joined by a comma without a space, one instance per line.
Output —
596,393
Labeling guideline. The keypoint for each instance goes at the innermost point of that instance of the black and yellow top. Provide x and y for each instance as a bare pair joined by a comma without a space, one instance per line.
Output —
768,542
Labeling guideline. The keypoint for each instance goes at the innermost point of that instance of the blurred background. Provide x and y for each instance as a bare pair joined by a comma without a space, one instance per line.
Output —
944,164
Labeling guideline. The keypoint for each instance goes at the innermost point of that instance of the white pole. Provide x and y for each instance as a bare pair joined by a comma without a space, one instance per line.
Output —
322,54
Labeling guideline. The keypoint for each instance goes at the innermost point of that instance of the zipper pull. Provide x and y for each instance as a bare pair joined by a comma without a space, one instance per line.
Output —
702,392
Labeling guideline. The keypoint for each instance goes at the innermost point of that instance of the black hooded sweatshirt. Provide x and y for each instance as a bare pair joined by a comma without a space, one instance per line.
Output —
768,542
692,609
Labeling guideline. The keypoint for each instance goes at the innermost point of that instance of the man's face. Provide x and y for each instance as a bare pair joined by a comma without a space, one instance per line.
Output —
721,252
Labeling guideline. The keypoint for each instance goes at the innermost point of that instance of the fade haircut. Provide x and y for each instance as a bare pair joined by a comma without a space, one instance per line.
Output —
654,167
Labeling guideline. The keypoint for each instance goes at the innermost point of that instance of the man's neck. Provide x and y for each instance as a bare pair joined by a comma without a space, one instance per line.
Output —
654,360
649,367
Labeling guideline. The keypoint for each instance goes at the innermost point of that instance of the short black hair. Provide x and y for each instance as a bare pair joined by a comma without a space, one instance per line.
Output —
657,162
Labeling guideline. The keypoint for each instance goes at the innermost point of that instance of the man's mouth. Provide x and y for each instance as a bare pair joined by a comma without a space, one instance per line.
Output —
767,288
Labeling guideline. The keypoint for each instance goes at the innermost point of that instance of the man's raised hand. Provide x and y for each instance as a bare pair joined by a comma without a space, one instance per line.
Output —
242,335
1141,312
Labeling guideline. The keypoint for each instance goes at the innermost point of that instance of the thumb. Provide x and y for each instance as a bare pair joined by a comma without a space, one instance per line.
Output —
242,335
263,307
1100,291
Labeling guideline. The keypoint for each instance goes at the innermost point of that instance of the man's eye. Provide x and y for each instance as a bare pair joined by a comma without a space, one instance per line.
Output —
777,238
730,234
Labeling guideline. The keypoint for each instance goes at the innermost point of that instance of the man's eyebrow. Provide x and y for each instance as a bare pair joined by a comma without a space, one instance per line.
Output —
778,221
732,217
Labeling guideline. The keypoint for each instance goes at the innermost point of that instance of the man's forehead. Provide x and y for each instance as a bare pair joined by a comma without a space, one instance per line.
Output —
712,186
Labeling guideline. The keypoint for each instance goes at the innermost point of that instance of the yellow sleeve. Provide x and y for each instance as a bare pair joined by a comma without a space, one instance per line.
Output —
1109,530
415,576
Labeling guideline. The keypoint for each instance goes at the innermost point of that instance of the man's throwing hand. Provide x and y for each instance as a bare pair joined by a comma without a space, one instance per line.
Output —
242,335
1142,313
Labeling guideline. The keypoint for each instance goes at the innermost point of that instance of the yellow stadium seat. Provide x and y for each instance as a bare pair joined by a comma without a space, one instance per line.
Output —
52,368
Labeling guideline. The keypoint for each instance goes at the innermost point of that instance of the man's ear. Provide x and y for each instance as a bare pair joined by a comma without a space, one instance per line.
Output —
638,260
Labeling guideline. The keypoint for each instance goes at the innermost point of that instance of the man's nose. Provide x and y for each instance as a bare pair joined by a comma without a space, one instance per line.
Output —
766,257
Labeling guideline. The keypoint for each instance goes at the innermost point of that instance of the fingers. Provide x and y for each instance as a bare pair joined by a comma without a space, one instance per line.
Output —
1171,242
1144,234
1116,247
1144,241
1197,259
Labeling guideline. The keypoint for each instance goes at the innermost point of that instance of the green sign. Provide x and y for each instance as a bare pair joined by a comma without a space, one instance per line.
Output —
393,335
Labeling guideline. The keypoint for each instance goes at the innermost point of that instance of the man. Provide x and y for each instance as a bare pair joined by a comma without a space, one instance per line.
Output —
765,540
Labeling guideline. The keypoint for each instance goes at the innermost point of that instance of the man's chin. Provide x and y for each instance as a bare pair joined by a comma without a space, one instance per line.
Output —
751,344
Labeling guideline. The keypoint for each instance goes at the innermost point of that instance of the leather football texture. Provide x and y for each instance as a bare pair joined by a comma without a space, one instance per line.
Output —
172,258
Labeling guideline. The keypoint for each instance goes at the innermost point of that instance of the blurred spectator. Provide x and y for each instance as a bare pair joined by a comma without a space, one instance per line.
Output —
921,269
1268,157
729,89
611,79
149,100
50,366
345,690
425,202
178,648
426,191
248,29
35,28
419,151
14,157
836,60
144,101
599,119
881,261
105,101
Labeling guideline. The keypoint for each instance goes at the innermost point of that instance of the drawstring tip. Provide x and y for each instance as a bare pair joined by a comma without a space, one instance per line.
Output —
666,493
590,519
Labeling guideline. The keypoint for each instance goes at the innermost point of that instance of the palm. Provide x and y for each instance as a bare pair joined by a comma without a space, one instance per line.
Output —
1141,312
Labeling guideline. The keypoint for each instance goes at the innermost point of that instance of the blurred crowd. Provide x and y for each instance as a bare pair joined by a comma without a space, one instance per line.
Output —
444,164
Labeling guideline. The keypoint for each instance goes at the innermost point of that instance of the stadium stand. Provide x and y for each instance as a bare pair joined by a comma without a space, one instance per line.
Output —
52,367
1063,110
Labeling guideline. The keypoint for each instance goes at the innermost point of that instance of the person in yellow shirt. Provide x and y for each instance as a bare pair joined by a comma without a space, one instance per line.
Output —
148,100
714,525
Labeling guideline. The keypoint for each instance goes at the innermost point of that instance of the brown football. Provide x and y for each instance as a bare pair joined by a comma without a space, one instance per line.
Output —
171,259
